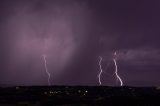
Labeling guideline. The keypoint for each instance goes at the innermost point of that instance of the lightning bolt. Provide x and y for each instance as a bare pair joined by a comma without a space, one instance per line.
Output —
101,70
45,64
116,70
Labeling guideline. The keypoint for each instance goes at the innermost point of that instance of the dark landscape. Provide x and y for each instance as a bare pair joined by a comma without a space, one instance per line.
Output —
79,95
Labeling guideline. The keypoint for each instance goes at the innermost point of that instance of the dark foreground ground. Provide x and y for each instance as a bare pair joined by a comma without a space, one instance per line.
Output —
79,96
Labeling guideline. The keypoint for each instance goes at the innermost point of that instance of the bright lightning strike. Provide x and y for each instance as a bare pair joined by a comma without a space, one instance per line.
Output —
45,63
116,70
101,70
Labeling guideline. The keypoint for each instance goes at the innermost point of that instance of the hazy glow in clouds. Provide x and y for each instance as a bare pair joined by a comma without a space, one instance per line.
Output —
46,30
57,42
141,56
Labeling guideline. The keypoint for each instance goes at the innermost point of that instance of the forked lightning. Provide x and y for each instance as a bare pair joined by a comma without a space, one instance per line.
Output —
46,69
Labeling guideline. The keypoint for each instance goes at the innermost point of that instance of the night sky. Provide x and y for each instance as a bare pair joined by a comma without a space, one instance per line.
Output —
73,34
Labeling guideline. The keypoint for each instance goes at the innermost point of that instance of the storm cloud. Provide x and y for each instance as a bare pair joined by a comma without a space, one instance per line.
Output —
73,34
